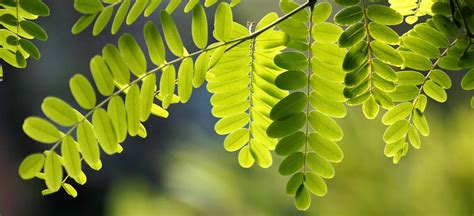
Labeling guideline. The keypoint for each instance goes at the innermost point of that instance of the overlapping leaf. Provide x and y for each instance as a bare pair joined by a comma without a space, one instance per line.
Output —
18,29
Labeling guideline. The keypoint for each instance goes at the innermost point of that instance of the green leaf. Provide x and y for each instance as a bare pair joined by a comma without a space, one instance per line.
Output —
404,93
410,78
349,15
88,145
302,199
147,96
105,131
36,7
41,130
286,126
173,39
191,5
245,157
321,12
120,16
370,108
391,149
200,69
356,77
167,85
117,113
172,5
102,76
396,131
386,53
30,48
31,166
292,164
136,10
152,6
327,106
288,106
440,78
416,61
467,60
82,91
236,140
432,35
288,6
325,148
262,155
102,20
294,183
326,32
420,122
291,61
53,172
82,23
116,64
185,80
216,56
223,22
467,82
319,165
132,54
435,91
325,126
384,70
291,80
88,6
421,102
69,190
154,43
399,112
356,56
71,157
315,184
132,106
34,30
446,26
59,111
421,47
384,15
231,123
383,84
291,143
199,27
352,35
414,137
383,33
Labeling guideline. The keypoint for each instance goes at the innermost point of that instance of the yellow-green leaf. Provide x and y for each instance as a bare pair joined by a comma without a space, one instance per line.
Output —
41,130
223,22
31,166
53,171
59,111
172,36
105,131
82,91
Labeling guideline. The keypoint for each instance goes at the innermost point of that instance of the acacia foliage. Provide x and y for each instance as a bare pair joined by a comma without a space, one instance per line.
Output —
278,84
17,29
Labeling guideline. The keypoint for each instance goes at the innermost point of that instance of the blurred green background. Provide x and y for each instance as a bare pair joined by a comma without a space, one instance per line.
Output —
181,169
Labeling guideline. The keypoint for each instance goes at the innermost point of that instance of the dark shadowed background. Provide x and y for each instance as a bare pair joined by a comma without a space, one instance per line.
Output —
182,168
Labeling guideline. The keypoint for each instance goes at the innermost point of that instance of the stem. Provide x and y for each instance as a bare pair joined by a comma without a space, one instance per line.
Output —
308,88
251,27
369,49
